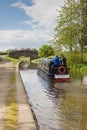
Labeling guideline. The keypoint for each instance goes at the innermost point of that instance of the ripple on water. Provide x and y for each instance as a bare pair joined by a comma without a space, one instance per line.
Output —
58,106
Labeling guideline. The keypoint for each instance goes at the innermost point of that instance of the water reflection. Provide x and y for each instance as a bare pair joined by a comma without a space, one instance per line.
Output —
58,106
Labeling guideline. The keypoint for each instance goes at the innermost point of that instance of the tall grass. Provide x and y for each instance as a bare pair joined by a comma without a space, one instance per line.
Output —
78,70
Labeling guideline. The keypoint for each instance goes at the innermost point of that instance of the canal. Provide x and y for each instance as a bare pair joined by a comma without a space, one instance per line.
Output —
57,106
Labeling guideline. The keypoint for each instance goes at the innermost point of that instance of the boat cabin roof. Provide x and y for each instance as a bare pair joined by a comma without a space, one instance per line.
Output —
45,60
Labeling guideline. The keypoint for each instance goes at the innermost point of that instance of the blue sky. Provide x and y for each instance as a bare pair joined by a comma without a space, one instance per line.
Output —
27,23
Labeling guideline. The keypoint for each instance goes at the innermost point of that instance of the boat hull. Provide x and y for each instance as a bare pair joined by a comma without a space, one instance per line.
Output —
55,77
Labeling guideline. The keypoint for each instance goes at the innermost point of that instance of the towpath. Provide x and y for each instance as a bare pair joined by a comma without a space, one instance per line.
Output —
25,117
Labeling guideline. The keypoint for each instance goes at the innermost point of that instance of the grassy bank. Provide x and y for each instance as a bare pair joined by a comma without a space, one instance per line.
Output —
11,105
13,60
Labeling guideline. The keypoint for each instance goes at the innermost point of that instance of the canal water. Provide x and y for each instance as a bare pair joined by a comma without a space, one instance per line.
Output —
57,106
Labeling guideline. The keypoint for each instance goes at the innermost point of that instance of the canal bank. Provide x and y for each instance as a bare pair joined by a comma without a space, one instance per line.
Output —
24,118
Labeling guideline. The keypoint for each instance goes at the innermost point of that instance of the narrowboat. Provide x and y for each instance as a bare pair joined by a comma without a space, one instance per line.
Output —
47,70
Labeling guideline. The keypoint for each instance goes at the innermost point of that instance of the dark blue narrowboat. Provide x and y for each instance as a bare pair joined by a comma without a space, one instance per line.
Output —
47,70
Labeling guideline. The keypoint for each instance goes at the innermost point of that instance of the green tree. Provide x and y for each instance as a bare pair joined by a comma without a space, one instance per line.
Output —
45,51
68,26
83,29
71,30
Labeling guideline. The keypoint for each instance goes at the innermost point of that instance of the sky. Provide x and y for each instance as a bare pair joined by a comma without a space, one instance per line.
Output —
27,23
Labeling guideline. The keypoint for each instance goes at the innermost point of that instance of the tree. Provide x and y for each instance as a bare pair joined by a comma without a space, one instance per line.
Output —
45,51
71,30
68,26
83,22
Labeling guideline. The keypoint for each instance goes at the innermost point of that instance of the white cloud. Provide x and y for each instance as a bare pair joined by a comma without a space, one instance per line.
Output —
43,15
22,39
42,11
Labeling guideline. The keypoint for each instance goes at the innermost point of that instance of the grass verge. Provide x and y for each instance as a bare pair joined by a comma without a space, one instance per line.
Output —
14,60
11,105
